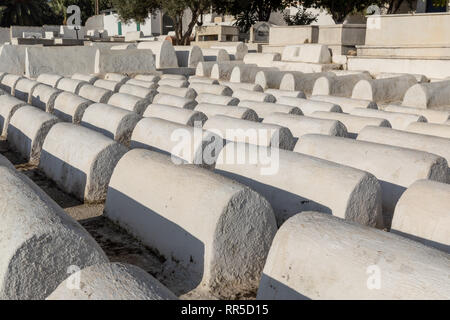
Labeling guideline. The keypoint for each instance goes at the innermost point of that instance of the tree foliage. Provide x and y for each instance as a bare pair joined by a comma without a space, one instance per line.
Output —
26,13
87,8
250,11
139,10
392,6
339,9
302,17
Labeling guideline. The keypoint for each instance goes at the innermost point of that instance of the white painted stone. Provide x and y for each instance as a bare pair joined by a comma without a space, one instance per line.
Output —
314,256
108,85
163,51
188,56
216,55
95,94
247,73
308,107
8,106
243,94
9,82
49,79
348,72
39,241
129,46
174,83
204,69
311,53
138,91
222,237
165,76
133,36
210,110
71,85
85,77
433,116
422,214
2,74
431,144
141,83
80,161
117,77
129,102
432,129
319,185
300,125
427,95
69,107
113,281
354,124
174,101
339,59
175,114
188,93
215,99
12,58
147,77
63,60
238,86
399,121
305,67
341,86
124,61
262,59
383,90
211,88
223,70
262,134
283,93
27,131
263,109
44,96
115,123
184,143
396,168
236,50
24,88
419,77
301,82
196,79
271,79
346,104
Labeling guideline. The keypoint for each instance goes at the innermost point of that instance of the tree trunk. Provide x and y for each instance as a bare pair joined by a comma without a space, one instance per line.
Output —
191,25
178,26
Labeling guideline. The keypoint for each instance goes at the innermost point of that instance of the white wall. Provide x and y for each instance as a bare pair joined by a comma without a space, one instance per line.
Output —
4,35
111,22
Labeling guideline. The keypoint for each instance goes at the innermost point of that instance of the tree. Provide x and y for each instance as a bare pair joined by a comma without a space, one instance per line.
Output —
138,11
26,13
302,17
250,11
87,8
339,9
392,6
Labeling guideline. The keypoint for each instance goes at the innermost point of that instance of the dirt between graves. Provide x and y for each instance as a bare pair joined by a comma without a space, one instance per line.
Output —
118,245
